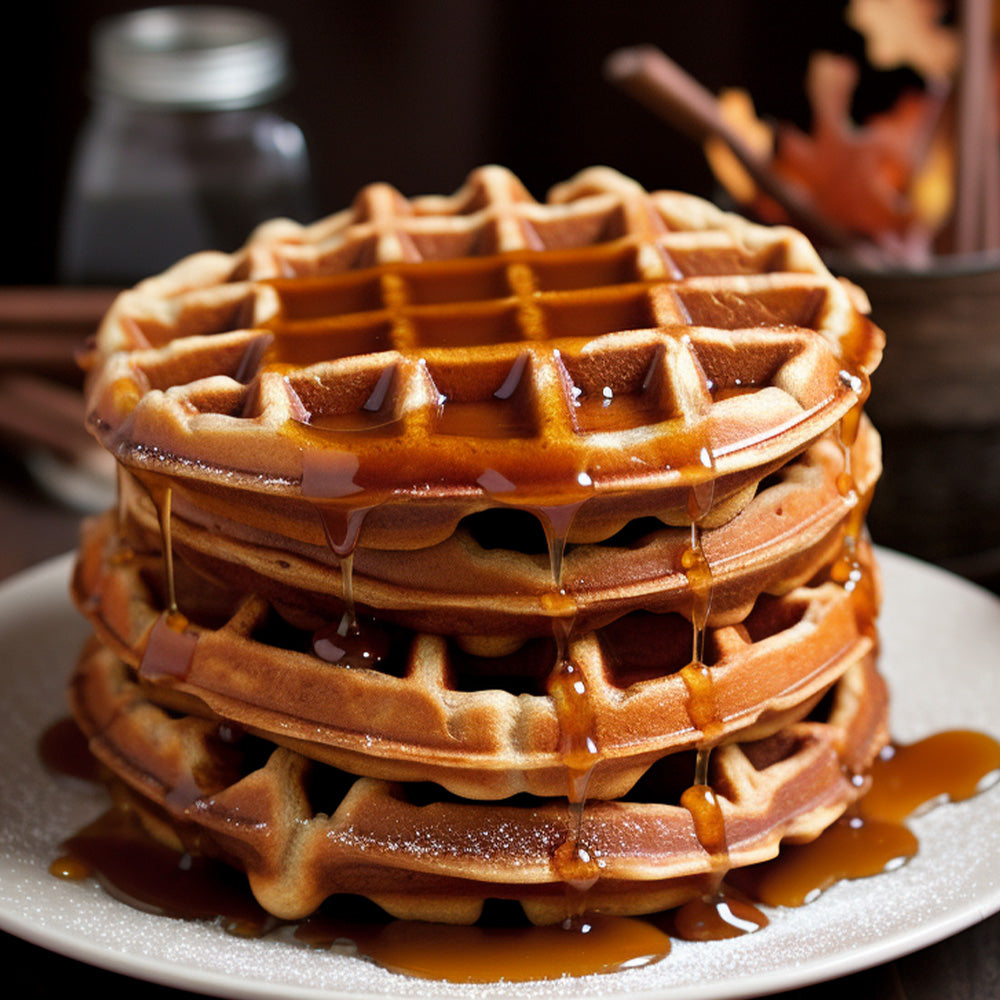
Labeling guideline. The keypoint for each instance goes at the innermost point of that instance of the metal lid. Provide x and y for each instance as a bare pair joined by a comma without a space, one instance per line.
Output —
194,58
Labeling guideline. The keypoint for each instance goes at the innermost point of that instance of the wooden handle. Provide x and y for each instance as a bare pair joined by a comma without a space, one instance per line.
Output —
657,82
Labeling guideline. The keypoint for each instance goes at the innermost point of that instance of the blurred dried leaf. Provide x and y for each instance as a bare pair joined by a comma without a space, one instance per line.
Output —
737,109
906,33
857,175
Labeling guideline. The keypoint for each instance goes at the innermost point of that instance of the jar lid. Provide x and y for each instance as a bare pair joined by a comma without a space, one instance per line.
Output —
193,58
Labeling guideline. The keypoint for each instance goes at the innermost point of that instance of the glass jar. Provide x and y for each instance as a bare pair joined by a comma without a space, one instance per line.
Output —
183,149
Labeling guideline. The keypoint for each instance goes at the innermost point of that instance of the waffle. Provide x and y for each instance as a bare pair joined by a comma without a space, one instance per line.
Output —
610,348
482,727
303,831
583,481
785,535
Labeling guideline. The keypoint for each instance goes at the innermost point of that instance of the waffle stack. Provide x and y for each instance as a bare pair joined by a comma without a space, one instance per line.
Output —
474,547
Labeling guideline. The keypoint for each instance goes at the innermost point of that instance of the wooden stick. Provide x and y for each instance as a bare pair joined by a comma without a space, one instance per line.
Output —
974,82
39,349
40,413
991,165
648,75
54,307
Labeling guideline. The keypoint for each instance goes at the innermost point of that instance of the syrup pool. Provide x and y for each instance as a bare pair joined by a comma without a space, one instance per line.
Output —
117,852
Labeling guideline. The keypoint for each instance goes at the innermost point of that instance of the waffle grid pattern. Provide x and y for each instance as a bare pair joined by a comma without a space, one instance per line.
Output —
607,316
454,854
483,727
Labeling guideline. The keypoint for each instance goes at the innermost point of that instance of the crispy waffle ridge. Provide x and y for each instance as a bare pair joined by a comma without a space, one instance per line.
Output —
579,488
609,345
303,831
482,727
784,536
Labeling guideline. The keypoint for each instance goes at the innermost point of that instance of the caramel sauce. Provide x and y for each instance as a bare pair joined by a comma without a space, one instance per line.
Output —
487,954
871,837
949,765
129,864
717,918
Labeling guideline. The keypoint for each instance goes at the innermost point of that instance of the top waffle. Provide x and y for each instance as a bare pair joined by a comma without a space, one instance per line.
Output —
609,345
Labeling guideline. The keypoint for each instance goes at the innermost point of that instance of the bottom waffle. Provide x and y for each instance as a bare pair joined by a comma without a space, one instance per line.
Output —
303,831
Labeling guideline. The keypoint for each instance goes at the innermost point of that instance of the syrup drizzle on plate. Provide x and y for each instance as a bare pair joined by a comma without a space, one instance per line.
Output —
130,865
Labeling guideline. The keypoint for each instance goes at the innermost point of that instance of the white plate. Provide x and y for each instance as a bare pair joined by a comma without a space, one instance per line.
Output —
941,637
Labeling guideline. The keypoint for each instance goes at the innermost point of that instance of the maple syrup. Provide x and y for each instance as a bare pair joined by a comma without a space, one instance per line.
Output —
578,745
342,529
952,765
615,411
120,854
162,496
63,749
851,848
354,643
717,917
170,648
171,643
135,869
872,836
490,953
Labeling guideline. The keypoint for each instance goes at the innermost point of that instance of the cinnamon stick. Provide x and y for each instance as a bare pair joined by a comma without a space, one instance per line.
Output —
975,176
39,349
54,307
656,81
44,414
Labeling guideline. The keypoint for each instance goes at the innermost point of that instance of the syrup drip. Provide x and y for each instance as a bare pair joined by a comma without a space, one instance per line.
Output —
714,914
169,649
121,508
353,642
342,528
170,645
163,498
694,563
574,863
717,913
848,569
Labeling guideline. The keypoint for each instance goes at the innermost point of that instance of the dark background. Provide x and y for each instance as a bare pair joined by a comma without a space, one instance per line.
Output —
417,92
